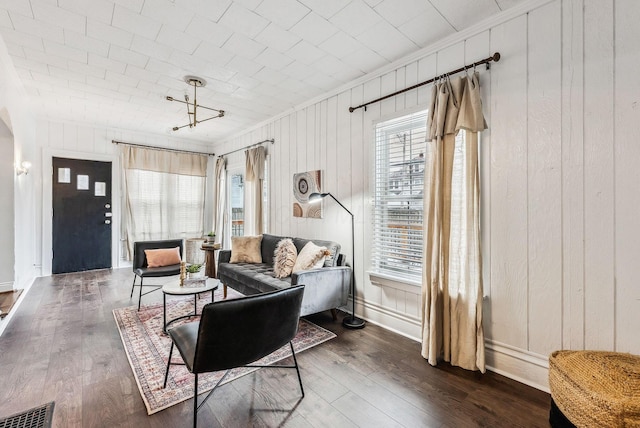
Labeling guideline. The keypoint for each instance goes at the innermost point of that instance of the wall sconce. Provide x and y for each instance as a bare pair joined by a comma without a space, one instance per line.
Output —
23,168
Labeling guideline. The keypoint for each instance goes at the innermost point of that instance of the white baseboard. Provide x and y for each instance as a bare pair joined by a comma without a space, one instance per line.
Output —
26,286
6,286
520,365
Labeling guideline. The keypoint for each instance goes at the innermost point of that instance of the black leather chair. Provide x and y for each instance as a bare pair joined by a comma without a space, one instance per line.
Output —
235,333
140,268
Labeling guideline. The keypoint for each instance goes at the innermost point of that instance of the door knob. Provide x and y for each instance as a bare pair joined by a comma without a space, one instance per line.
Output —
107,222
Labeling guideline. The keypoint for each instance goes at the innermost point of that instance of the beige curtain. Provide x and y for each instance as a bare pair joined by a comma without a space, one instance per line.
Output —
220,199
452,270
254,177
163,194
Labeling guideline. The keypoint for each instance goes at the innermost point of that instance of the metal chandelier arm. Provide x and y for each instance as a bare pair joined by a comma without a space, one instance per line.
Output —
192,108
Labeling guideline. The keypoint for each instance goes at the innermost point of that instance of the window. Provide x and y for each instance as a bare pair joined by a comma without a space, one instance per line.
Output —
237,204
400,150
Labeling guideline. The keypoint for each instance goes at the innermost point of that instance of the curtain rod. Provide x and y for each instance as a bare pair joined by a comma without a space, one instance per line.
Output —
270,140
162,148
495,57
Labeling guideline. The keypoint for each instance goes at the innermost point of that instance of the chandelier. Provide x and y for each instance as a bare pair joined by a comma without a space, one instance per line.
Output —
192,107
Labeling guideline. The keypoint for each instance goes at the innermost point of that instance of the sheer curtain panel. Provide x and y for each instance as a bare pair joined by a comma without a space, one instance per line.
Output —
220,199
452,269
163,194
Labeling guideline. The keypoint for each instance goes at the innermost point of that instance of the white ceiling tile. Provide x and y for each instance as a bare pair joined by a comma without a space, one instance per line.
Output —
298,70
427,28
37,27
65,74
243,20
122,79
336,68
212,53
128,57
214,33
212,71
285,13
86,69
277,38
269,75
242,65
340,45
133,5
15,50
207,9
398,12
462,13
47,78
355,18
174,84
387,41
168,12
82,42
243,81
373,3
23,7
23,39
216,87
506,4
326,8
322,81
56,49
365,59
29,64
5,21
177,39
249,4
102,83
273,59
305,52
107,63
108,33
155,67
98,10
239,44
150,48
59,17
314,29
45,58
127,20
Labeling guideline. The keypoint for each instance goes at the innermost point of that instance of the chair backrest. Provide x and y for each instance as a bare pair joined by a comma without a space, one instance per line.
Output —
140,259
237,332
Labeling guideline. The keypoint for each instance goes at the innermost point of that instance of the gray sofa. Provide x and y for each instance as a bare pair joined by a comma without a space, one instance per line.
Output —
326,288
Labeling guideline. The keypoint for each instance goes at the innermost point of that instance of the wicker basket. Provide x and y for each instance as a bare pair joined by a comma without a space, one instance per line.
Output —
595,388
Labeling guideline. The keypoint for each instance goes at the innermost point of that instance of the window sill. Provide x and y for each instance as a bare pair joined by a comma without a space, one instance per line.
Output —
386,280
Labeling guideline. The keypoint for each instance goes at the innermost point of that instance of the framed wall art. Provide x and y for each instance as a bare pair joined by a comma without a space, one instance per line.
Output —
304,184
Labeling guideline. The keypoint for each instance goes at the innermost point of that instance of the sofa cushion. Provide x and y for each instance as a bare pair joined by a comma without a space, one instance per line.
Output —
311,256
284,258
246,249
268,247
252,278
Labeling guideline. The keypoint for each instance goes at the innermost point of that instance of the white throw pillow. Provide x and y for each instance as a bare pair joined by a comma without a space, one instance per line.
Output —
311,256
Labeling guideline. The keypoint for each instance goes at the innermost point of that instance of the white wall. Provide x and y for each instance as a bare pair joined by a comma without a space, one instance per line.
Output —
78,141
559,178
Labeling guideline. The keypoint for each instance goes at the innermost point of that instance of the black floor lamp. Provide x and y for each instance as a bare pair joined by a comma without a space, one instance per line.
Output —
350,321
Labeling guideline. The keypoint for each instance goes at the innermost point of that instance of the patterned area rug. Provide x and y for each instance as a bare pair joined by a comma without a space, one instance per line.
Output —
147,349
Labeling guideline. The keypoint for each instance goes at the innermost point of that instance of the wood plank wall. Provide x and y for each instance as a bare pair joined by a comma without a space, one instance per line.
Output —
559,181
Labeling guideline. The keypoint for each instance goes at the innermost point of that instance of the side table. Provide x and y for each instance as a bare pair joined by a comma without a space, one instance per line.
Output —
210,258
174,289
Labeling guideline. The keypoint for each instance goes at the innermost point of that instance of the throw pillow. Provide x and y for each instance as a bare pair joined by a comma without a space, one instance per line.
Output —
246,249
163,257
284,257
310,256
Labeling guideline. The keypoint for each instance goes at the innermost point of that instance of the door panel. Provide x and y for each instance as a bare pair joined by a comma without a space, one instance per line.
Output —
81,215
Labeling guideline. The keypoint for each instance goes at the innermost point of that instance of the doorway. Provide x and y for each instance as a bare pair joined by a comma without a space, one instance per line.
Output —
82,215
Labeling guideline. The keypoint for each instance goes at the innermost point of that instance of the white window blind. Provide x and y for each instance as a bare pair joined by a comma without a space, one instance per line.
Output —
398,208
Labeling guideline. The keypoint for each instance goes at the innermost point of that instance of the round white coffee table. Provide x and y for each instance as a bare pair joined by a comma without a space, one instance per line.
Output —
175,290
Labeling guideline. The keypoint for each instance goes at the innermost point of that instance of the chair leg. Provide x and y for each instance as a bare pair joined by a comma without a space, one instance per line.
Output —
140,297
133,286
295,361
166,374
195,401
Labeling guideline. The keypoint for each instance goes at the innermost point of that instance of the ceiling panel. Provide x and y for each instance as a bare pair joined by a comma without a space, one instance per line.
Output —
113,62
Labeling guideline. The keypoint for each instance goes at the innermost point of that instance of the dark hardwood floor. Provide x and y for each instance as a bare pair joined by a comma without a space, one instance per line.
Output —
63,345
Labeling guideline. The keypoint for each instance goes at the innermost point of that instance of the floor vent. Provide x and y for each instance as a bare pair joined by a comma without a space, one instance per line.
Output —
38,417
